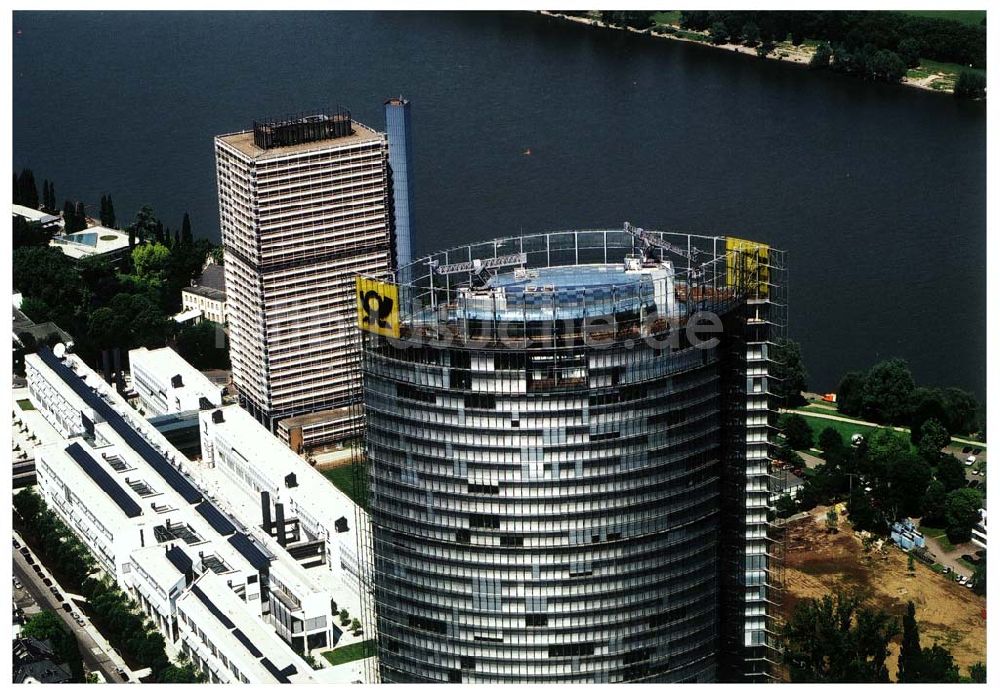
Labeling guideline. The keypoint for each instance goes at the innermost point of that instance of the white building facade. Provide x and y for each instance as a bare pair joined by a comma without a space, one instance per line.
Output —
303,207
167,384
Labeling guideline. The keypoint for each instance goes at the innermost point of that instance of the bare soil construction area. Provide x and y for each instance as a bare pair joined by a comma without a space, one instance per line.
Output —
819,563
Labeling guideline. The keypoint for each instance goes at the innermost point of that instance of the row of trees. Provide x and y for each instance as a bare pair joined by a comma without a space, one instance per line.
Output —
114,612
54,543
888,394
841,639
125,628
907,36
885,479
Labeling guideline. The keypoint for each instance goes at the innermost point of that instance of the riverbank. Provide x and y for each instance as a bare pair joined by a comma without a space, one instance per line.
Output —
929,76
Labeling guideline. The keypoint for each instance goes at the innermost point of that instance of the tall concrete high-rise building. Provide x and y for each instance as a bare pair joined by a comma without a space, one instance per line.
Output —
303,206
567,459
397,127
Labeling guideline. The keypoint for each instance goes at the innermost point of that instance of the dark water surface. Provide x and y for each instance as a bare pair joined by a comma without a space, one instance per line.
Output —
877,192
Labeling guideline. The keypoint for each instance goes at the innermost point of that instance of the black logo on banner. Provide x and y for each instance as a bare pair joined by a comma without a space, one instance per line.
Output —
377,308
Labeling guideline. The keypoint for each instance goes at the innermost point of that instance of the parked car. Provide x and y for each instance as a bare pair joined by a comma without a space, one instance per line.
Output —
58,596
971,460
37,568
975,473
75,615
81,623
25,552
968,584
66,607
47,581
17,545
976,451
966,450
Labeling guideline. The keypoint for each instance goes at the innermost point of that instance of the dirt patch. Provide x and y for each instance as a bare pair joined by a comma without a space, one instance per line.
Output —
818,563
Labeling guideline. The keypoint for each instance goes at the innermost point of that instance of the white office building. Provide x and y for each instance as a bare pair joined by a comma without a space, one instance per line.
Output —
303,207
167,384
128,495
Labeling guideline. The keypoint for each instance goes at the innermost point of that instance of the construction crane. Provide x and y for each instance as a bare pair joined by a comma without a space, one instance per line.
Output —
479,267
648,241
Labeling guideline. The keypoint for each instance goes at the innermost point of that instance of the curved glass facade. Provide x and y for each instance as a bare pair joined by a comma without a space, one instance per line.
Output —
546,457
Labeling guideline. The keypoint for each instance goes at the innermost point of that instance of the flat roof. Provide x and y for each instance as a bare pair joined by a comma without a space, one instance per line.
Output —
164,363
33,214
318,417
90,242
243,142
212,602
265,452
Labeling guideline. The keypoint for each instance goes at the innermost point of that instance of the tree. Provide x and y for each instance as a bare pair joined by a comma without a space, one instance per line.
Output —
933,504
145,225
218,254
27,190
765,48
933,438
970,85
750,34
830,440
937,665
831,520
979,576
961,513
886,66
203,345
850,394
821,58
909,51
785,506
887,392
950,472
107,211
977,672
797,431
150,260
186,236
791,371
836,640
909,649
719,33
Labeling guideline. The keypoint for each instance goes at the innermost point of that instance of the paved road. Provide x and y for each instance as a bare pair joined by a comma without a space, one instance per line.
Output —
93,657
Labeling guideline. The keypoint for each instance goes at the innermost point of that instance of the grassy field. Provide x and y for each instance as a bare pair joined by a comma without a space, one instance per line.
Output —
25,405
667,17
343,479
973,17
845,430
351,652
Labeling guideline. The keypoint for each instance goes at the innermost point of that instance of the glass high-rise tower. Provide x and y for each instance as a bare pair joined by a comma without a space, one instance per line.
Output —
567,459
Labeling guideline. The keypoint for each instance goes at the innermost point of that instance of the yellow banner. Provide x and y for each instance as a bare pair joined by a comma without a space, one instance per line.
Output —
746,261
378,307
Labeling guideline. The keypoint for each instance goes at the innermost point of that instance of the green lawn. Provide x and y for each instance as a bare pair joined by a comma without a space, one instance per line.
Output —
929,66
668,17
973,17
343,479
25,405
352,652
939,535
845,430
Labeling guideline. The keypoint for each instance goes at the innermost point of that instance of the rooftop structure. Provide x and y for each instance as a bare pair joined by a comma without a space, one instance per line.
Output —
167,384
568,477
94,241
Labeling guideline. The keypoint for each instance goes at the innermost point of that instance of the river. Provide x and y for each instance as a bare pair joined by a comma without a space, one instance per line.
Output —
877,192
